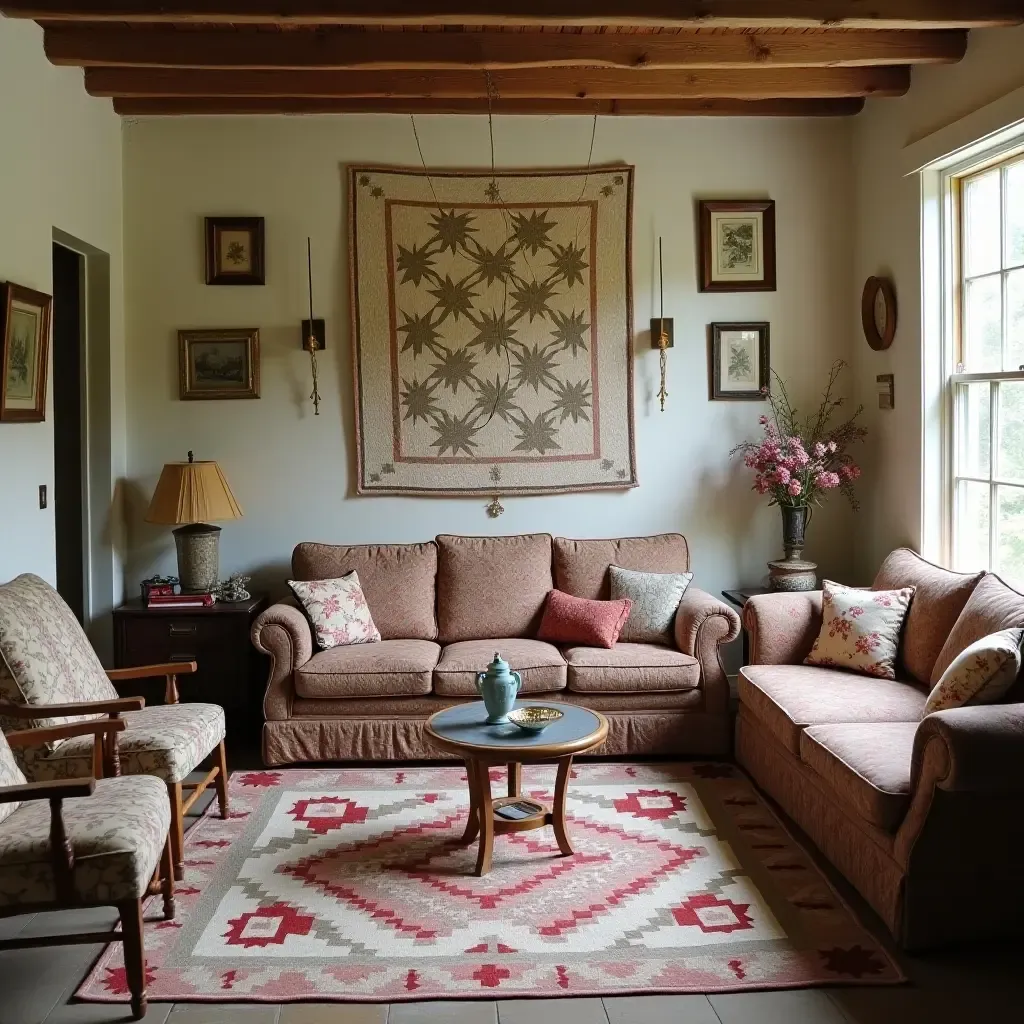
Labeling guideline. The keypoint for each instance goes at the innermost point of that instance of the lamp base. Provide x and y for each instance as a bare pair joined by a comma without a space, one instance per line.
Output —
198,557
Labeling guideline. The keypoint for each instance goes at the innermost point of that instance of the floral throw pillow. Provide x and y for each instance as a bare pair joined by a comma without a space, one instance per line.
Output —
655,598
860,629
980,674
337,611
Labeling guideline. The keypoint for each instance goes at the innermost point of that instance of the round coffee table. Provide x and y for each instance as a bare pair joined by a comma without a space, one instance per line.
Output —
463,730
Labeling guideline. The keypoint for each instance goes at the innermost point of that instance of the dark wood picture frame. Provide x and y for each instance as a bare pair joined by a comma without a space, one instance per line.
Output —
875,288
717,388
13,300
706,211
251,268
248,386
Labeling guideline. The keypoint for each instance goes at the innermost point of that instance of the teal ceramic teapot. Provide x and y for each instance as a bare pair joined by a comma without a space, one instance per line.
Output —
499,688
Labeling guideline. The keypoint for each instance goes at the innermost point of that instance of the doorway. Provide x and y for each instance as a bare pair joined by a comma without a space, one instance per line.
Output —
69,427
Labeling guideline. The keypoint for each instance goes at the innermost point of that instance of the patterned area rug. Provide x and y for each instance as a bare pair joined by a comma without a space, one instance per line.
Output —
350,885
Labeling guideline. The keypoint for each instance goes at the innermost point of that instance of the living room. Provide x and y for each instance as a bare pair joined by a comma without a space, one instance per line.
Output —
442,300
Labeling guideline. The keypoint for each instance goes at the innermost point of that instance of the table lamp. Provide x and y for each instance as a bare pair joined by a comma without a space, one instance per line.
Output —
187,495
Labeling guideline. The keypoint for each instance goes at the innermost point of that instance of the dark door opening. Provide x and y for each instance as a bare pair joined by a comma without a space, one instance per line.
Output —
68,425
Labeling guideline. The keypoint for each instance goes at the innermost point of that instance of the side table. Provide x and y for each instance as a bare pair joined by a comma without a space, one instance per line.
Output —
230,670
739,598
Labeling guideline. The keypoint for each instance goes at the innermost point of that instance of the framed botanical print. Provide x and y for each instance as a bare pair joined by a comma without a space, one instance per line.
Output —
219,364
737,245
24,346
739,360
234,250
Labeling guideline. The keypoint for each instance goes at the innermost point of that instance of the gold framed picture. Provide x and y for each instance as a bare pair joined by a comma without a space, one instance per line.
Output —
24,346
737,245
234,250
219,363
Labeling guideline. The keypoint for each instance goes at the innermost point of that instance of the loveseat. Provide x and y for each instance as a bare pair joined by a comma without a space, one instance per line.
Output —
444,607
924,814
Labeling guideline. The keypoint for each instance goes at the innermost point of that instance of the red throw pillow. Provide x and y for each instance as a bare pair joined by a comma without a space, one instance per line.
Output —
575,620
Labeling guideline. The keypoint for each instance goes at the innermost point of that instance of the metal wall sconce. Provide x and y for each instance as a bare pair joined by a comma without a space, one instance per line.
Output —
314,334
662,332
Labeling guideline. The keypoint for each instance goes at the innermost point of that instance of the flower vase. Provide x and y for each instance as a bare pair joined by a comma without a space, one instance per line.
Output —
793,573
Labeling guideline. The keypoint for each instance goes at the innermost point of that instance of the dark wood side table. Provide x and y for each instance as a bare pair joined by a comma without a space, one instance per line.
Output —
231,671
739,598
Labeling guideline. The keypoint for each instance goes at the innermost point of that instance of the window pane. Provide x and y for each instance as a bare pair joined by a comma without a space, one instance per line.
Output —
1014,186
1015,320
973,414
1011,431
981,224
972,520
1010,552
983,319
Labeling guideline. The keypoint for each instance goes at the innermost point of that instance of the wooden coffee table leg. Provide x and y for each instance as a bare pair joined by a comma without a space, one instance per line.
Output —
485,814
473,824
558,808
515,778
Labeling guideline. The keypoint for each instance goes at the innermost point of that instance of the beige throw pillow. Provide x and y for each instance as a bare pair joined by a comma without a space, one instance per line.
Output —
337,611
655,597
860,629
980,674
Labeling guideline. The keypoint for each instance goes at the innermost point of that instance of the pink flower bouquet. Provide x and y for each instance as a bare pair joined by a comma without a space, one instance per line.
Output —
799,461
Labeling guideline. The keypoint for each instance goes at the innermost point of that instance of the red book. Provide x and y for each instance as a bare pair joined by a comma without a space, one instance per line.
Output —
180,601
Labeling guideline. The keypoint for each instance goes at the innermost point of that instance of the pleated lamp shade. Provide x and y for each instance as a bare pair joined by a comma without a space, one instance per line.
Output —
192,492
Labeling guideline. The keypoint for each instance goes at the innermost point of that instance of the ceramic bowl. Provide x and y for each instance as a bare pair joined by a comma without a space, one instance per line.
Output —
534,719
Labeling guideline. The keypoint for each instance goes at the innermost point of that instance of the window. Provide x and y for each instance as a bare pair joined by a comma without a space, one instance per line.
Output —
988,385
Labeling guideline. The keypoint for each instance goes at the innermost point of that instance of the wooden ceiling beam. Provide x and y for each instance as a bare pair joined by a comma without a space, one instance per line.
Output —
337,49
551,83
178,105
681,13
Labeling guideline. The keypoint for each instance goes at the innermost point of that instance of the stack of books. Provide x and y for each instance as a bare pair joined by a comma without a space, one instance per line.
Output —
180,600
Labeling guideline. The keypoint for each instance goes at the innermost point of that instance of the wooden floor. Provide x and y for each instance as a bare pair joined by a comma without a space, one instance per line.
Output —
974,986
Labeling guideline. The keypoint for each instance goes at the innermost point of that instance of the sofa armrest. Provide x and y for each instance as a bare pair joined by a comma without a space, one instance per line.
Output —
703,624
282,632
782,627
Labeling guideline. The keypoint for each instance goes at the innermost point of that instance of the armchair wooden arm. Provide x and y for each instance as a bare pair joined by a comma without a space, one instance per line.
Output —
59,789
105,757
85,707
170,669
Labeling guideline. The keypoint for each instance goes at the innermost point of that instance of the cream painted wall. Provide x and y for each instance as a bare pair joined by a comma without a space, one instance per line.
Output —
294,474
888,241
60,167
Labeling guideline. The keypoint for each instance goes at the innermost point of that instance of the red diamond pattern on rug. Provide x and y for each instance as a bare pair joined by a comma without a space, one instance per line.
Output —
353,885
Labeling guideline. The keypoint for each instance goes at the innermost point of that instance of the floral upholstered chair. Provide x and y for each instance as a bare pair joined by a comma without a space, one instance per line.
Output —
73,843
50,675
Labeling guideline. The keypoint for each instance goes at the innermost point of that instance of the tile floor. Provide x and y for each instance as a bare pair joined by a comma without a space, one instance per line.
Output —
978,985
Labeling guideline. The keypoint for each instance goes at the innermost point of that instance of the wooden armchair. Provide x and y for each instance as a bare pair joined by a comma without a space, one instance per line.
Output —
98,843
39,690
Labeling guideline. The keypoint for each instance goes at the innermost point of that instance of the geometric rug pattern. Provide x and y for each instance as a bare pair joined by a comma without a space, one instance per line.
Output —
350,884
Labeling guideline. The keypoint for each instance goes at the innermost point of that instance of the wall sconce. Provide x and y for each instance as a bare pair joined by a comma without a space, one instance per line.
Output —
662,333
314,333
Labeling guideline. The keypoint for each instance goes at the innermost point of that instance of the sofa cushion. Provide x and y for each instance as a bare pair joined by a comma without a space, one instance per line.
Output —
491,586
397,579
991,607
540,666
788,698
581,566
391,668
628,668
981,674
575,620
939,599
867,765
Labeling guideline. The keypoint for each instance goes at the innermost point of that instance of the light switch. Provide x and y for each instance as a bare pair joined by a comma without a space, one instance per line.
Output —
42,495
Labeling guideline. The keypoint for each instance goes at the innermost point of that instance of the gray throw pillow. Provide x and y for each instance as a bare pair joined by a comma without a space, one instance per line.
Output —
655,597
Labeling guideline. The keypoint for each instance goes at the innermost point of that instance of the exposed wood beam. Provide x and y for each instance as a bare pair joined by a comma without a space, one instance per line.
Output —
340,49
726,13
552,83
672,108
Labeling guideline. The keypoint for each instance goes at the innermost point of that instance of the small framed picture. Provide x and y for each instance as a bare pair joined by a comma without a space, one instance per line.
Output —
234,250
219,364
739,360
737,245
24,344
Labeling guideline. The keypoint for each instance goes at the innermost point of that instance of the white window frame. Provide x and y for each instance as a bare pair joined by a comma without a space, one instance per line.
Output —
954,381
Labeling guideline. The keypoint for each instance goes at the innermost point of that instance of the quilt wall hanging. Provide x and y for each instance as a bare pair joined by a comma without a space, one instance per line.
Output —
492,330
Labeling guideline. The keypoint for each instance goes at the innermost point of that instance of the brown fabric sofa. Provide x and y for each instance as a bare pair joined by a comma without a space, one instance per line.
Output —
444,607
923,814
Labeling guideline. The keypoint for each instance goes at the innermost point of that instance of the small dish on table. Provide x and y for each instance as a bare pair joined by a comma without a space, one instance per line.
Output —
534,718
